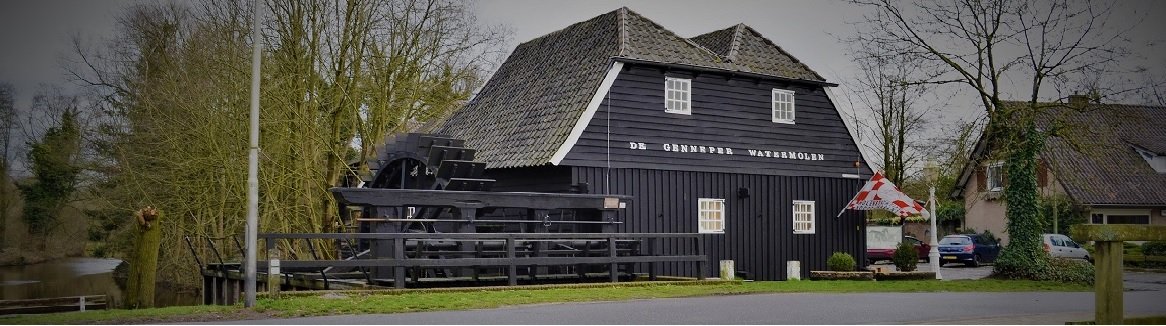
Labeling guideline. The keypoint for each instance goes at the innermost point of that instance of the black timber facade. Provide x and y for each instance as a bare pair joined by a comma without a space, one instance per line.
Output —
728,112
621,140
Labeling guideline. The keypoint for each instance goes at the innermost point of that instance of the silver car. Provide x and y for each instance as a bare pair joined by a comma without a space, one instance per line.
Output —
1058,245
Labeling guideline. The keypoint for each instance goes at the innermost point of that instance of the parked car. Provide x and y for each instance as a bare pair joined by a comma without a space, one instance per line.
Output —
1058,245
969,249
875,255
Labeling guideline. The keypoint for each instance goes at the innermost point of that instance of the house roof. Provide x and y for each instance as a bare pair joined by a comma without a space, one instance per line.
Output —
1095,160
526,111
1098,165
748,51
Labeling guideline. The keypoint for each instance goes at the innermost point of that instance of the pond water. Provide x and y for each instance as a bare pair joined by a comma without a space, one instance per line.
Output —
75,277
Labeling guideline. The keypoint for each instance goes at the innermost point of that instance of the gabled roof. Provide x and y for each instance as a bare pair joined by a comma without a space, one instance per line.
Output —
1096,162
1105,168
526,111
750,52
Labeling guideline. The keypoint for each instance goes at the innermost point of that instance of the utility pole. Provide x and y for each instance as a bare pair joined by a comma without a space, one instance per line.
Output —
253,160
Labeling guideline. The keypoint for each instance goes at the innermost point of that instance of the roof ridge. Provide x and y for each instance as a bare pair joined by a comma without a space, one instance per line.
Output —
622,27
779,49
735,42
668,32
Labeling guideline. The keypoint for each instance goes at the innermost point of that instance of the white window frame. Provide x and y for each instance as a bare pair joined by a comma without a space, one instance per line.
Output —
783,108
988,184
710,214
678,95
1105,214
804,215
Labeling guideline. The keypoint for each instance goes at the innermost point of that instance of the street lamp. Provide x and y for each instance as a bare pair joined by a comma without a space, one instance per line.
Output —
932,173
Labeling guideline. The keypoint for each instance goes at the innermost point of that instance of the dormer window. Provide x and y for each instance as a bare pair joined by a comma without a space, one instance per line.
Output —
677,95
783,106
1156,161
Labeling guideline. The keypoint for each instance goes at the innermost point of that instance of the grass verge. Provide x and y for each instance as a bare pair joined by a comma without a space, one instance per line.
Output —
431,300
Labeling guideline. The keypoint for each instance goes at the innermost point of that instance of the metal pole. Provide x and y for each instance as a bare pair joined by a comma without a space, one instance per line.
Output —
933,255
253,160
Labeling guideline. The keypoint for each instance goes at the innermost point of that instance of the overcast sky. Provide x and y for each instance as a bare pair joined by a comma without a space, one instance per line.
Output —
34,35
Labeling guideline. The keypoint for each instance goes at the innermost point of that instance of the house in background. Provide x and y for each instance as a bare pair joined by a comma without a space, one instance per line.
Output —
723,134
1111,165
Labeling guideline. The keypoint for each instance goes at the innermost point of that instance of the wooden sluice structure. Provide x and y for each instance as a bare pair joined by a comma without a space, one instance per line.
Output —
493,259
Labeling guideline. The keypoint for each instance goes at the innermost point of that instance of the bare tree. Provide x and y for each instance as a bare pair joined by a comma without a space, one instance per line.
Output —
1002,49
174,84
891,87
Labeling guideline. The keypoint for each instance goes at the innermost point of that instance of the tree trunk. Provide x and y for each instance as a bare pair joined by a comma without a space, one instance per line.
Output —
144,266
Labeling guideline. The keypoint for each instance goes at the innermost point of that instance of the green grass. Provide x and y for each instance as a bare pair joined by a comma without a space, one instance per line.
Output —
431,300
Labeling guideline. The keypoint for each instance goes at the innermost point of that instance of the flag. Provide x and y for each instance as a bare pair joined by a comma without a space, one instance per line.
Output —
880,193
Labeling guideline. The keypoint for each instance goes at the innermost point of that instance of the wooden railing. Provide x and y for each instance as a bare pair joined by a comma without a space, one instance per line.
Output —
511,253
49,305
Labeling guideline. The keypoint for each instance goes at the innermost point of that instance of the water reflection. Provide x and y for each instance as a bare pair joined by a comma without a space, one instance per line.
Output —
76,277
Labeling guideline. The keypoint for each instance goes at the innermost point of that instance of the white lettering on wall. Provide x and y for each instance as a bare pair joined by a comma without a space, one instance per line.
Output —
721,150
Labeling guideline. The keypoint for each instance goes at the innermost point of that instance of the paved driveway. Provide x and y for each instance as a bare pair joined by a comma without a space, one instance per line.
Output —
950,271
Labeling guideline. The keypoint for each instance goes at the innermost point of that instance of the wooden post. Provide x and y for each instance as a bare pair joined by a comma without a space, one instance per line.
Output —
613,268
702,266
144,266
399,256
1109,296
653,247
511,269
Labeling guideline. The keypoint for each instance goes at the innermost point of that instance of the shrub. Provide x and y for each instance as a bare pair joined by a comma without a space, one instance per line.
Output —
987,234
1050,269
1070,271
1154,248
905,257
840,262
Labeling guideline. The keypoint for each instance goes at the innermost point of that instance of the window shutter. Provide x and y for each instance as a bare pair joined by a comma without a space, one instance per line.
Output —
982,179
1042,171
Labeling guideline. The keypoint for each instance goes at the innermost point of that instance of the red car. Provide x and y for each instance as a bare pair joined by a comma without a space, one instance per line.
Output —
875,255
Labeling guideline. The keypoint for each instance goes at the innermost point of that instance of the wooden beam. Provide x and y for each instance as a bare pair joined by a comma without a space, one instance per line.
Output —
1117,232
475,199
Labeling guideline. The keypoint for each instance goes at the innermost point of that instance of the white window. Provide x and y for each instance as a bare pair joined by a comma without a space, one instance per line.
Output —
1120,216
783,106
677,95
995,180
803,216
712,215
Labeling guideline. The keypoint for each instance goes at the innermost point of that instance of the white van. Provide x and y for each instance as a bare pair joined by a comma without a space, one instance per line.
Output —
1058,245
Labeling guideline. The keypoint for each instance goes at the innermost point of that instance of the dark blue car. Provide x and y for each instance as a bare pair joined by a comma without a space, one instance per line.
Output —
969,249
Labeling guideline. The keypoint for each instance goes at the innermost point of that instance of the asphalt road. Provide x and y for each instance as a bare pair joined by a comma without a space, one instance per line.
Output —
798,308
1146,295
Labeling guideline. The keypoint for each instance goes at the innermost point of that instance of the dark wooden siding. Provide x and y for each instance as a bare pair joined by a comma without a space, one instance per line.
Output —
758,230
727,112
545,178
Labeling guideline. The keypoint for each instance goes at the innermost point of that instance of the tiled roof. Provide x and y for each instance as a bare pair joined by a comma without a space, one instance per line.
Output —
748,51
1096,161
527,109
